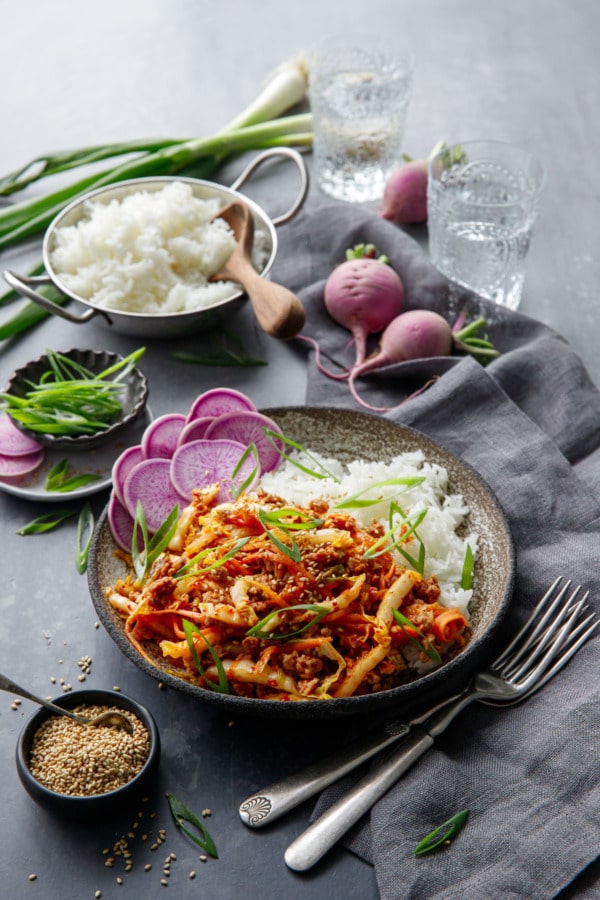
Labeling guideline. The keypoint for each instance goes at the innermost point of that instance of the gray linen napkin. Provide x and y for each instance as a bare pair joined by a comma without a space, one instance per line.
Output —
530,424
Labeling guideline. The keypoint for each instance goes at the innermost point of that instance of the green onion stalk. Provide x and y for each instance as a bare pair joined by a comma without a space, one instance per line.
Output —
261,125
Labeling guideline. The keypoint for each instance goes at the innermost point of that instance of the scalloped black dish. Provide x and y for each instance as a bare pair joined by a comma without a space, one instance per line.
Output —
133,400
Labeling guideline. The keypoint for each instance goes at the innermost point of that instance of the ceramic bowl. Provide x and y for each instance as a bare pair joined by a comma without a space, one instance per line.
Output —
98,805
348,435
133,400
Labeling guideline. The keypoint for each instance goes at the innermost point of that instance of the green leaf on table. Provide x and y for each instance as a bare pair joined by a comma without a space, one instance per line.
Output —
443,834
47,522
182,814
85,525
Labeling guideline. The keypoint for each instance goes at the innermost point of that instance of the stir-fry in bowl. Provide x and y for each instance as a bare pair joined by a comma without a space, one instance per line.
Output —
370,567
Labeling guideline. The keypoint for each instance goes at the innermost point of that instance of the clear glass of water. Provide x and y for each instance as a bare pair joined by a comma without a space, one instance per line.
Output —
483,200
359,93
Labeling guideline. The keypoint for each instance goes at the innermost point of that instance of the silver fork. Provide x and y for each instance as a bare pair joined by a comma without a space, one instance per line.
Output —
550,637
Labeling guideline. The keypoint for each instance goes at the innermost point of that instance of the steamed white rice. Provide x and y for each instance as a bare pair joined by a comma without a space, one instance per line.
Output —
445,549
150,252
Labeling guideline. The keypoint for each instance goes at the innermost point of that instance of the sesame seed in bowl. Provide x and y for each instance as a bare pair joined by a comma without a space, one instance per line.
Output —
77,770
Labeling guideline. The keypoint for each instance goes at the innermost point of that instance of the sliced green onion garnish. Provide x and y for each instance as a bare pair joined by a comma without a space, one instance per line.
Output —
223,686
443,834
355,501
293,551
188,568
319,472
427,647
259,631
57,480
181,814
250,450
466,580
151,547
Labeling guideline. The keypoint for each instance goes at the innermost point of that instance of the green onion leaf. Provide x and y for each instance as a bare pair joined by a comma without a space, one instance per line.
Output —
188,568
181,814
151,547
355,501
319,472
85,524
47,522
251,450
223,686
293,551
466,579
259,631
442,834
427,647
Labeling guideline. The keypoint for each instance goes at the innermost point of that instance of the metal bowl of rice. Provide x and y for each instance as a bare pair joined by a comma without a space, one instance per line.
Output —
139,255
350,436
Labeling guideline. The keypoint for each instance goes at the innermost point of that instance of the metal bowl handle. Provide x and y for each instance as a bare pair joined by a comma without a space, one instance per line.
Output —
23,284
296,158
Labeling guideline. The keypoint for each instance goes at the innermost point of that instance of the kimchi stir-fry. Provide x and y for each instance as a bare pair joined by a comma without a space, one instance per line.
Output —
265,599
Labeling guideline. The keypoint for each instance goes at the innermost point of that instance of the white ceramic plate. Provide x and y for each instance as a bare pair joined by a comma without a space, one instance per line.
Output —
98,460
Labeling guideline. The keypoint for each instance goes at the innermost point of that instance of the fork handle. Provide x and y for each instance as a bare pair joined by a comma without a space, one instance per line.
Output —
319,837
273,801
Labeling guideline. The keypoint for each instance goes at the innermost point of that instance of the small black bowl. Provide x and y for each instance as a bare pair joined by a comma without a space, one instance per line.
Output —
98,805
133,399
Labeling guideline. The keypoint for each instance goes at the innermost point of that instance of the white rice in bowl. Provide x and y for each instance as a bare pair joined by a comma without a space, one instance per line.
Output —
443,530
151,252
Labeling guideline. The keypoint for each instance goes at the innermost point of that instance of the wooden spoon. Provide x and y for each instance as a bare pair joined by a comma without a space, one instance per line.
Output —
279,312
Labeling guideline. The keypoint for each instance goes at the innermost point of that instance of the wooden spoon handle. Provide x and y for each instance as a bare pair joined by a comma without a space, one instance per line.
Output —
278,311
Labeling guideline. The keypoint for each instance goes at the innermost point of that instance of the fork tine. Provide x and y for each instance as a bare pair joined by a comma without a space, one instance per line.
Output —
554,637
520,663
532,621
569,650
550,654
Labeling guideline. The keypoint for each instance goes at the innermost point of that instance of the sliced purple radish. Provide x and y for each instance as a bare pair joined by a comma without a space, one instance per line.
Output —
160,437
13,442
199,464
150,483
249,428
120,522
195,430
218,401
123,466
17,466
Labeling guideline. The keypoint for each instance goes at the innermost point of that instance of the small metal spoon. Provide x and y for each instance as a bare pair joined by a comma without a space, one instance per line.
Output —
105,718
278,311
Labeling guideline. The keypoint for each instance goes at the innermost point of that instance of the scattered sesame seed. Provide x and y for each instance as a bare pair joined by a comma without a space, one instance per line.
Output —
203,858
96,624
161,686
98,894
17,702
33,876
119,880
164,882
147,867
53,679
206,812
172,856
231,724
81,677
116,688
14,706
192,874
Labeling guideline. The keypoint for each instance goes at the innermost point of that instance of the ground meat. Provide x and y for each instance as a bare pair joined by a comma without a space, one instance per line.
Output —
161,592
419,614
301,664
426,590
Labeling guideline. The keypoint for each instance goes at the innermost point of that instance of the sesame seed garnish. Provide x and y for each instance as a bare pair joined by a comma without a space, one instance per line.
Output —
147,867
192,874
33,876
